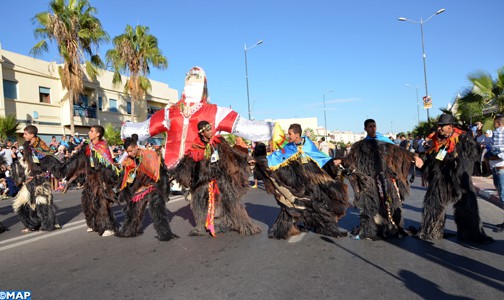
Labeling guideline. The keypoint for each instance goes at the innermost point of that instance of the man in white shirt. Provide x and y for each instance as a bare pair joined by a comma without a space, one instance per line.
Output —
324,146
7,154
497,163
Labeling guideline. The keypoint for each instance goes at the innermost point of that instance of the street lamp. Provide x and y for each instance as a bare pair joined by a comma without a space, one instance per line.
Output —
246,73
325,117
417,104
421,22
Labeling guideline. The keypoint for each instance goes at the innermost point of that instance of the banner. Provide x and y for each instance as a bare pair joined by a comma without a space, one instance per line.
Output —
427,102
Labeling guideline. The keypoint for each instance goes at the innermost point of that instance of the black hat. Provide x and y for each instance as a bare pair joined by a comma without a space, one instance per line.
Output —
446,119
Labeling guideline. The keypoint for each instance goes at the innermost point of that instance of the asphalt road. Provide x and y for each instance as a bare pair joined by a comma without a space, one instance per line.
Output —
72,264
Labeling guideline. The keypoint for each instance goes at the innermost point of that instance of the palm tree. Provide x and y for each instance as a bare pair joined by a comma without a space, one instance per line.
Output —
8,127
134,52
485,97
77,33
112,135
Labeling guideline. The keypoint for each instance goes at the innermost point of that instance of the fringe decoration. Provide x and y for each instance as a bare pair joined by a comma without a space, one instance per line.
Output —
448,143
142,192
104,161
213,190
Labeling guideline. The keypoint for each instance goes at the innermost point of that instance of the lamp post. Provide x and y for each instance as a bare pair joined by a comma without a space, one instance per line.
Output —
421,22
417,104
325,117
246,73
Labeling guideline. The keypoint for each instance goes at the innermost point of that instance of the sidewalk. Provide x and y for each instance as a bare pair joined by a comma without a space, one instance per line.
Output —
485,189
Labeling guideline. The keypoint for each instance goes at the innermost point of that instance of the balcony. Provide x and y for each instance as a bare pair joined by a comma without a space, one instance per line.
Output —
86,112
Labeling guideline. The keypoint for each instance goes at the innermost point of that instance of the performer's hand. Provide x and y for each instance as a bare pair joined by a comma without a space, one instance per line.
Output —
418,162
337,162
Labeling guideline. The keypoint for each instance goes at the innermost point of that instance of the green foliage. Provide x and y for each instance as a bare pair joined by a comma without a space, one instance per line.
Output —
424,128
484,99
230,139
8,127
134,52
310,133
113,135
77,33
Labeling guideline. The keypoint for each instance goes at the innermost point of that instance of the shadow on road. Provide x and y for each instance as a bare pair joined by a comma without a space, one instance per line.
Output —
465,266
185,213
425,288
262,213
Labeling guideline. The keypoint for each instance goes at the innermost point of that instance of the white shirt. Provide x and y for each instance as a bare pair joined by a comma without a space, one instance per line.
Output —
324,147
7,153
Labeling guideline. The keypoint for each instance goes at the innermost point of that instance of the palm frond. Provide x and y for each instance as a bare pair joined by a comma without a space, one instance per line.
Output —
8,126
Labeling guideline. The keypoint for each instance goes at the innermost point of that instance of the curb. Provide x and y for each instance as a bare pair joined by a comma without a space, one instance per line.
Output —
489,195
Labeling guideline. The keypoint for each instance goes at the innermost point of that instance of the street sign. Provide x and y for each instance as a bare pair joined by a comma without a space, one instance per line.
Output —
427,102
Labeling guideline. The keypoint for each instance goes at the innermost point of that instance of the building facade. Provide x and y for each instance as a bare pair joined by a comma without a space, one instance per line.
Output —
31,90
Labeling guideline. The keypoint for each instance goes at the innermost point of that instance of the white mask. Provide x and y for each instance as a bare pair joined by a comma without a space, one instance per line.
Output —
193,92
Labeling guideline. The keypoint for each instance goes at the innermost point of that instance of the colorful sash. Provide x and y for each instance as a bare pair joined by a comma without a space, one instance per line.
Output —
448,143
200,150
213,191
292,152
102,153
148,164
379,137
40,149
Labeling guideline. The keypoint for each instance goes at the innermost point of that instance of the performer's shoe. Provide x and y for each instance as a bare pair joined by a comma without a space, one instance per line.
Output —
26,230
57,226
108,232
499,227
254,186
89,229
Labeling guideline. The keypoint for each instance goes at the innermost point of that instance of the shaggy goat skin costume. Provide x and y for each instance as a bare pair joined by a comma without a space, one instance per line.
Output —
307,194
94,163
450,181
145,181
34,202
378,173
217,187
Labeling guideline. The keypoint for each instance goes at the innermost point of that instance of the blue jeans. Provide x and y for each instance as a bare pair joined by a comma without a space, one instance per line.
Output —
498,179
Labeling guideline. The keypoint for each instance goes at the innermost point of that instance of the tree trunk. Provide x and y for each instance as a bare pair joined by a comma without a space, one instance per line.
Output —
71,102
133,110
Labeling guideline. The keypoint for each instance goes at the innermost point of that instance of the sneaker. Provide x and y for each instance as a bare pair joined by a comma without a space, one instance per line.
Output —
254,186
89,229
108,232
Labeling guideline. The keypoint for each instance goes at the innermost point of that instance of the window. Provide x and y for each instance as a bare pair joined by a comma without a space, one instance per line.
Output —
112,105
128,108
152,110
83,100
44,95
10,89
100,103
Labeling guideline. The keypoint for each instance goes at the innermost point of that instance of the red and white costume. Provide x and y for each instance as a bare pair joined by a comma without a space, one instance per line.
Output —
180,121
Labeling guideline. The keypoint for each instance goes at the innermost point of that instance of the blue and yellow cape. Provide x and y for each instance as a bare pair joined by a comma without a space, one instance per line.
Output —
292,152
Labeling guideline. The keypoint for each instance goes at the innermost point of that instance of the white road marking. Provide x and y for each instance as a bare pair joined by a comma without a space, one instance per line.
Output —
296,238
37,235
41,237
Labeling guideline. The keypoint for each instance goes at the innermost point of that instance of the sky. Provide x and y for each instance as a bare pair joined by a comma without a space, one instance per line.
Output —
355,54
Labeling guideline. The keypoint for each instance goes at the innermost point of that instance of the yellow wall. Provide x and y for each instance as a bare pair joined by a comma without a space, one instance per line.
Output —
54,118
